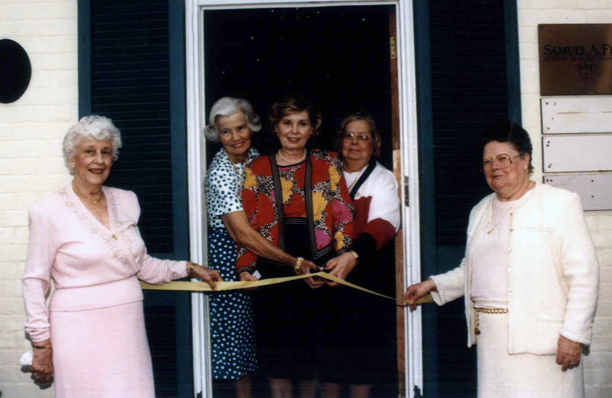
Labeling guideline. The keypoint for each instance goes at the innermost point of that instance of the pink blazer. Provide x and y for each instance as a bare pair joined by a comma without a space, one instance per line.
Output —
92,266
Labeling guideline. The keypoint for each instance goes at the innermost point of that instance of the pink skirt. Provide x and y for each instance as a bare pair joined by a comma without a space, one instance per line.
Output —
102,353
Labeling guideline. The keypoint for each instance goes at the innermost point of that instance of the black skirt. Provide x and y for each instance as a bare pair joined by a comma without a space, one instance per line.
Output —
290,318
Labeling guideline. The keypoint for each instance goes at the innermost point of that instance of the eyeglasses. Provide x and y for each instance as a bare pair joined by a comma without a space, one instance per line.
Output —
360,137
503,161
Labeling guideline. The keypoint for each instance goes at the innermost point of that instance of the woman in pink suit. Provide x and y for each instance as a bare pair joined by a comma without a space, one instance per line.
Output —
91,337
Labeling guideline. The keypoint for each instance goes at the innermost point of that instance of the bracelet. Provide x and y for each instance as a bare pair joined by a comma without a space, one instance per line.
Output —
298,264
40,347
191,267
354,253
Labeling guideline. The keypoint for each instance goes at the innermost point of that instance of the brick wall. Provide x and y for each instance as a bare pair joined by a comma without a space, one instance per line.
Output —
31,130
598,365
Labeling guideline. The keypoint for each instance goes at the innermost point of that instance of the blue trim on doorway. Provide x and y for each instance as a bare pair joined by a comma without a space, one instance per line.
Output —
178,128
84,57
427,209
180,201
513,68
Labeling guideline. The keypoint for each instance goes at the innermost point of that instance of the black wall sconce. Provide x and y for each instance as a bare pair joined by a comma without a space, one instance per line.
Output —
15,71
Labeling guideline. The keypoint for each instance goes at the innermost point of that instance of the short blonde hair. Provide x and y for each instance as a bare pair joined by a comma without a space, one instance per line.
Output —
95,126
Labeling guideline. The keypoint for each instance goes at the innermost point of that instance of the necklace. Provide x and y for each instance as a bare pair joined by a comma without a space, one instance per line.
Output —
291,161
80,195
509,211
350,187
500,219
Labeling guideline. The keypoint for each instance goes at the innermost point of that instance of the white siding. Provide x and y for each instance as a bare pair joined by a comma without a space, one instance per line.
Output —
598,365
31,165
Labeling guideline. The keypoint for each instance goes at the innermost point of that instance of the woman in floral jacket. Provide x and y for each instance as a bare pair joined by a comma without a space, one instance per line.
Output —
298,200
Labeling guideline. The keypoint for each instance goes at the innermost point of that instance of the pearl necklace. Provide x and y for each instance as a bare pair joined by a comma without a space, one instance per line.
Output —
291,161
80,195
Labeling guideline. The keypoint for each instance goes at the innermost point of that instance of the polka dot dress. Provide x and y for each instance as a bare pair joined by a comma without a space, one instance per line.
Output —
231,314
224,187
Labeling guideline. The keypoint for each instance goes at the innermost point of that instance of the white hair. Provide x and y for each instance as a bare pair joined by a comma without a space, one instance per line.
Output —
94,126
227,106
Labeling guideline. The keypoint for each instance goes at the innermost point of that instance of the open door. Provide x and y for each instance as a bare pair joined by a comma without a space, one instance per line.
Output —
342,55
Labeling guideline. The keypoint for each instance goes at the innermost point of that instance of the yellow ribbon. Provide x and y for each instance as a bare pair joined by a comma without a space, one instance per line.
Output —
224,286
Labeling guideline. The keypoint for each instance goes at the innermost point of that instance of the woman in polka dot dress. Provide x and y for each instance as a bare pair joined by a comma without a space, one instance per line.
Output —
232,122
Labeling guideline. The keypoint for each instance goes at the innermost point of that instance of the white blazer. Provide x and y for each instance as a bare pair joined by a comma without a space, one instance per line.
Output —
553,273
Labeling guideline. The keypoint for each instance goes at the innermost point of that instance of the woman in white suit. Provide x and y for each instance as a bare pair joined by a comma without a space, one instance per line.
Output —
530,278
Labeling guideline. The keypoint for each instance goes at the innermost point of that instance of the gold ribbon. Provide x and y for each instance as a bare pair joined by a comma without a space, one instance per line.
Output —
224,286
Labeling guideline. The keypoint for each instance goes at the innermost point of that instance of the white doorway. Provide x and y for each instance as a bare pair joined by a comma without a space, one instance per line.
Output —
403,159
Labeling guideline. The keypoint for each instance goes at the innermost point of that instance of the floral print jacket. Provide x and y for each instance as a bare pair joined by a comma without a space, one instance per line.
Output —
314,189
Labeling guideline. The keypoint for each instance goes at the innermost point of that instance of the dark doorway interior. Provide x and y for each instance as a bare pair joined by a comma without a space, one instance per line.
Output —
336,56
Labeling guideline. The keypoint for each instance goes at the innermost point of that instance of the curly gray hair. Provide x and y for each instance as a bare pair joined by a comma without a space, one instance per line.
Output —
227,106
97,127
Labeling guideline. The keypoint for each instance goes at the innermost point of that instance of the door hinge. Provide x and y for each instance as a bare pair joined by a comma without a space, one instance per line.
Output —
406,191
417,392
392,47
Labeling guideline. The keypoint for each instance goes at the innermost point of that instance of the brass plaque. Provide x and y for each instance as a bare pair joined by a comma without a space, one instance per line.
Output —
575,59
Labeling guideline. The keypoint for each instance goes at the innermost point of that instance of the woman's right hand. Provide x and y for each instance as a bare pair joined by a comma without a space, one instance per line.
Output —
308,267
418,290
208,275
42,361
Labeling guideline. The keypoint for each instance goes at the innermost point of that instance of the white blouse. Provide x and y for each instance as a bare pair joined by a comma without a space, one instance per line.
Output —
490,272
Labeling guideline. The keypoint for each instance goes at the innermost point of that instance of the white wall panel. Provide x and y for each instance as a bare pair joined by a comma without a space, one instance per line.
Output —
577,153
594,190
578,114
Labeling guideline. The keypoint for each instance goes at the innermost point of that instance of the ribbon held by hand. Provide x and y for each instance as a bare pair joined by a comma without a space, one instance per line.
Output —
225,286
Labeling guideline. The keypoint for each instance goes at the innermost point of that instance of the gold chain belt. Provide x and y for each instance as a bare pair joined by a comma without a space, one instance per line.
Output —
491,310
487,311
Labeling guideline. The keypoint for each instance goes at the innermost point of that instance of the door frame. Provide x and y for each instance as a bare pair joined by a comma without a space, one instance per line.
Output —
196,151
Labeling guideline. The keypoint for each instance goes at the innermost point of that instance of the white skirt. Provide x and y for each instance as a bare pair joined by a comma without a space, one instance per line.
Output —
501,375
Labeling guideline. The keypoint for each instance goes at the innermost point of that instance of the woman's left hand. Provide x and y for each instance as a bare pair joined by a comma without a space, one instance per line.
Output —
340,267
568,353
208,275
248,277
